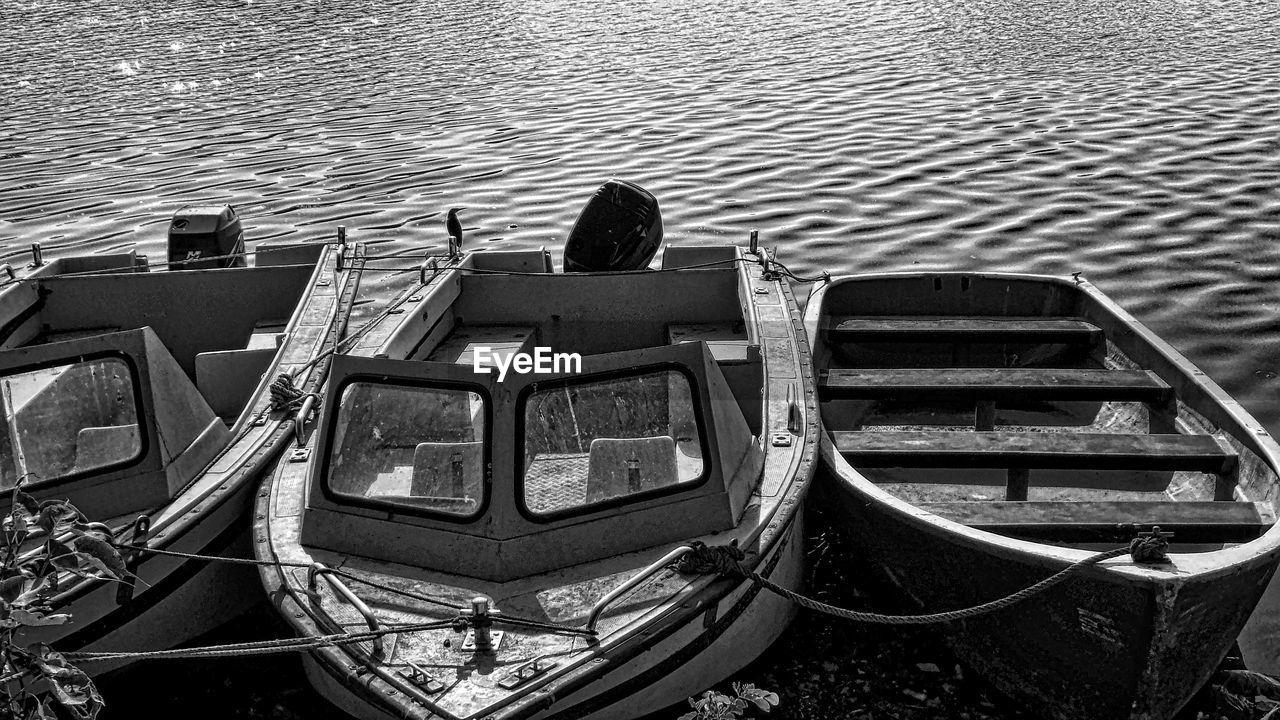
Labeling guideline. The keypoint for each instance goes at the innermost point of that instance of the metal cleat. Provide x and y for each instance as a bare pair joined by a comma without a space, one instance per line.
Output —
422,679
526,672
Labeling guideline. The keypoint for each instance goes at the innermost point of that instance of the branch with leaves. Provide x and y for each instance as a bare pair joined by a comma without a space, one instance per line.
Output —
44,541
715,705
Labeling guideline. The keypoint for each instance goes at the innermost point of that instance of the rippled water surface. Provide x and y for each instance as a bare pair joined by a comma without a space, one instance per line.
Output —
1132,140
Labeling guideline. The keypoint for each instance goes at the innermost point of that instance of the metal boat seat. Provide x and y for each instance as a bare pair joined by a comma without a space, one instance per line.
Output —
624,466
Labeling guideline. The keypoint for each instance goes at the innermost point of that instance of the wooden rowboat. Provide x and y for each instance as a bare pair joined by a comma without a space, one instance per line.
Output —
984,431
143,396
514,536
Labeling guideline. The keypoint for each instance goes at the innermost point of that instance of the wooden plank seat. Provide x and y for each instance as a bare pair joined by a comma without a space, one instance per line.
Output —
1020,452
961,330
1112,520
995,384
1061,451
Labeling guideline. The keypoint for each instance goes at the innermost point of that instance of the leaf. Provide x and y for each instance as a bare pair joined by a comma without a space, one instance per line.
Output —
27,502
18,526
11,588
35,619
35,593
45,522
62,556
78,695
107,557
44,710
762,699
52,665
56,516
102,530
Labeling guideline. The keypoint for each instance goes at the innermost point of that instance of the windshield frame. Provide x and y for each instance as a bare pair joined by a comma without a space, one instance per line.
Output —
566,381
397,508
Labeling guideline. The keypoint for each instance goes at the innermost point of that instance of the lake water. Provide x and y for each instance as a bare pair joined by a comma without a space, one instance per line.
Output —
1131,140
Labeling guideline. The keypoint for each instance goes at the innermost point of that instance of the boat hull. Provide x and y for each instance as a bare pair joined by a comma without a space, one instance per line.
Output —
630,634
1115,640
1097,645
176,596
178,599
710,646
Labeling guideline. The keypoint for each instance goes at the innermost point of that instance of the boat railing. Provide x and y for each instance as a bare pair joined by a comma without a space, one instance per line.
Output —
300,424
631,584
319,569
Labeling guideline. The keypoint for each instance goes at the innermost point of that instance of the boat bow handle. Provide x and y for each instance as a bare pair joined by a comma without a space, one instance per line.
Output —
631,584
313,574
300,424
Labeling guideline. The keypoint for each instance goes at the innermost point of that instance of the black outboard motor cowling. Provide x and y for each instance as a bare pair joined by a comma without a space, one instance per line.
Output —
205,236
619,229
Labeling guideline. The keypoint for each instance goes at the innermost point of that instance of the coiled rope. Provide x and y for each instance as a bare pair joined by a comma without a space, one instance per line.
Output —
286,396
725,559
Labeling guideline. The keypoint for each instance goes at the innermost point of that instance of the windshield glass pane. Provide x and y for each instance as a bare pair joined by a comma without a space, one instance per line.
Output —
67,419
421,447
592,442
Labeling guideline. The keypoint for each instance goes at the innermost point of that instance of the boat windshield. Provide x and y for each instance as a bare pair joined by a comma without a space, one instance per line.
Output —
415,446
68,419
593,442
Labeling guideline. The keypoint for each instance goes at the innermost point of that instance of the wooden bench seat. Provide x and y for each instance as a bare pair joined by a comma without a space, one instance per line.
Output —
1021,452
1059,451
1112,520
995,384
962,330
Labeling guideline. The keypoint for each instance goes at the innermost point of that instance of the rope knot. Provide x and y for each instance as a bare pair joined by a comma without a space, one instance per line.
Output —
1150,547
707,559
285,395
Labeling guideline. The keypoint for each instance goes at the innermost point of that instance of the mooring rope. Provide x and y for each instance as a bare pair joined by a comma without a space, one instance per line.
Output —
286,396
724,560
496,617
259,647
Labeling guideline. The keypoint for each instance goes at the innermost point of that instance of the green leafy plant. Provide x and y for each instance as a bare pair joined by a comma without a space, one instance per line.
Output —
715,705
42,542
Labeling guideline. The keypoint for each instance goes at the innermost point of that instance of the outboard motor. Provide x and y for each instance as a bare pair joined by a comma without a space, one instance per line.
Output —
205,236
619,229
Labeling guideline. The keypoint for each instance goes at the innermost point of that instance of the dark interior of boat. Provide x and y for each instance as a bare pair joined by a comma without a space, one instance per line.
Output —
1028,409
